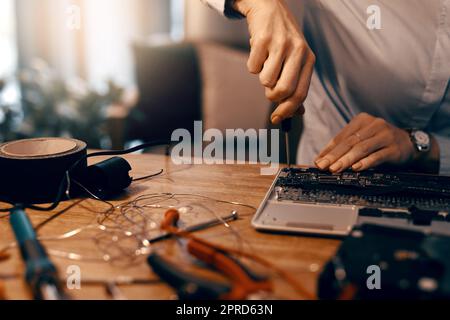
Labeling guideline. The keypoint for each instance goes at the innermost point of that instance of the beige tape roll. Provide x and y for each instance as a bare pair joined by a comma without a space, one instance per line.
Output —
32,169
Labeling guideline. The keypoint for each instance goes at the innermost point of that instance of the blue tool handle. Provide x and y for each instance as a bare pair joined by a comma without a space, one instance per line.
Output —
40,272
188,287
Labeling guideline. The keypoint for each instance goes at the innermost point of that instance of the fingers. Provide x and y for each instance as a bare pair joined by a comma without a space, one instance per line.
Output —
374,159
272,69
258,55
363,135
353,127
358,152
364,143
337,152
280,55
294,104
287,83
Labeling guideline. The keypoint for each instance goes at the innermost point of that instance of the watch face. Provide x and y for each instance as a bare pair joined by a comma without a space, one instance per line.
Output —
422,138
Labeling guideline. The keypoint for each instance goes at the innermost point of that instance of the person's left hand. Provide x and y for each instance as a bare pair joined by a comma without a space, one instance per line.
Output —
367,142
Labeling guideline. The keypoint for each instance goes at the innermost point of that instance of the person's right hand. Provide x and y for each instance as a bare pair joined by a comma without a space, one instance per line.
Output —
279,54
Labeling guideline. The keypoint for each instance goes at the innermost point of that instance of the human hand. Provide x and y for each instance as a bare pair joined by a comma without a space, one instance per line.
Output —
367,142
279,54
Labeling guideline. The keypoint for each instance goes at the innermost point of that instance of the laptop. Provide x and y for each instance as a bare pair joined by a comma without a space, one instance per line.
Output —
310,201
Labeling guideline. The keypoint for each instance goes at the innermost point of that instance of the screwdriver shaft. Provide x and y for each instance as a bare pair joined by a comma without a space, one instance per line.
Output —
286,127
288,151
199,227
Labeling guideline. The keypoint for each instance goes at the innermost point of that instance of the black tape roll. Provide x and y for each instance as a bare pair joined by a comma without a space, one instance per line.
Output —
32,170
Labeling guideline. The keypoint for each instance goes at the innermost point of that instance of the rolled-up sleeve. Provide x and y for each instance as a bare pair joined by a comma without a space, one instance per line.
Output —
444,148
219,5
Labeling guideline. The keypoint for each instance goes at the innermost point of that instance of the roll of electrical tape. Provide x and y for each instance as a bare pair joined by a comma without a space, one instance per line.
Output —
32,170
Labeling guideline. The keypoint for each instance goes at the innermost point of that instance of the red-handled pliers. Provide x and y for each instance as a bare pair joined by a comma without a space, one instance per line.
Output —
243,282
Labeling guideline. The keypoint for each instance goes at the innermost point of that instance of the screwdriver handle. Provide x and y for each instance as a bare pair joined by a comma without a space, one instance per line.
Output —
286,125
41,274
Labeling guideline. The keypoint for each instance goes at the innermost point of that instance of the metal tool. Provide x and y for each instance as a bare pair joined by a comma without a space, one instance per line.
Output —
286,127
243,282
119,281
113,290
199,227
41,275
113,286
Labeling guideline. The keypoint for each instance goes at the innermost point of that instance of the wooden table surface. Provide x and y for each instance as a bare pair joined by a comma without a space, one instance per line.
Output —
301,256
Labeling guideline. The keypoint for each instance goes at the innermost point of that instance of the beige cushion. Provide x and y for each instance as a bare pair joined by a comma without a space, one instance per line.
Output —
232,98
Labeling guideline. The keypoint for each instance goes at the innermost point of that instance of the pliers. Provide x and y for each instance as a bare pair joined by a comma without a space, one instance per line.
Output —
243,282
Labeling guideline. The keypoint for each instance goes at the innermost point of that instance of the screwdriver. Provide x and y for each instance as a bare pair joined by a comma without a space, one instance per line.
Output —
286,127
41,274
198,227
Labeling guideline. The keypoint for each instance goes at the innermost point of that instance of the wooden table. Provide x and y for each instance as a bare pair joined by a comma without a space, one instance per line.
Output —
302,256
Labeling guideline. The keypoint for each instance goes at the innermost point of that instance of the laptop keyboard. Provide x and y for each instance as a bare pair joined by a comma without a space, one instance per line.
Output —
369,189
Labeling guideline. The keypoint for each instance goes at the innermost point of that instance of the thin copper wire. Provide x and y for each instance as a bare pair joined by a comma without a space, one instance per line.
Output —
57,215
132,222
125,225
160,172
239,252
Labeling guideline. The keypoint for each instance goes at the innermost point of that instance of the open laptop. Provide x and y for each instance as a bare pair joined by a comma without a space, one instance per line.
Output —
306,200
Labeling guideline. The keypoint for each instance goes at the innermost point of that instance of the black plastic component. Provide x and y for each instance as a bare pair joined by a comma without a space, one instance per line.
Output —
108,177
286,125
370,212
187,286
413,265
422,217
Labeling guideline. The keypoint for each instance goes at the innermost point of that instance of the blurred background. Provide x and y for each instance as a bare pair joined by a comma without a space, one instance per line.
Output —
114,72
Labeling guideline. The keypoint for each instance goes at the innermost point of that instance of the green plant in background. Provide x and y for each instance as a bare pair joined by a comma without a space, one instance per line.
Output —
52,106
9,117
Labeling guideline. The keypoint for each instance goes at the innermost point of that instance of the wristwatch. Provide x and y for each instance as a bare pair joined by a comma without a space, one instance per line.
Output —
420,139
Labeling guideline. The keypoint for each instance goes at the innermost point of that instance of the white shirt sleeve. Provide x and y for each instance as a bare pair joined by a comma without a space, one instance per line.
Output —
219,5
